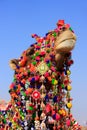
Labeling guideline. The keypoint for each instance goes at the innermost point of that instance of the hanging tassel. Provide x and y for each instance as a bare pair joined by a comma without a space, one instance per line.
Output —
43,126
37,122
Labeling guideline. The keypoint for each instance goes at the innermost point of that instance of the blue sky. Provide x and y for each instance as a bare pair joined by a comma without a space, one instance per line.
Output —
20,18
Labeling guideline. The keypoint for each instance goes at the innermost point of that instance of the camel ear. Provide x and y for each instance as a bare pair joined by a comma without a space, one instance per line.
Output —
30,51
13,64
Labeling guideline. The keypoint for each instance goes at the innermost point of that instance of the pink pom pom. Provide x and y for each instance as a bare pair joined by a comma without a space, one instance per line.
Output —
57,117
48,108
68,122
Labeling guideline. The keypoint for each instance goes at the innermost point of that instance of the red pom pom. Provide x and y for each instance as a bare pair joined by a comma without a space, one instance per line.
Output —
60,23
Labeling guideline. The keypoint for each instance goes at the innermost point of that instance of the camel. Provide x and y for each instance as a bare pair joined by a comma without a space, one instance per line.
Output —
40,91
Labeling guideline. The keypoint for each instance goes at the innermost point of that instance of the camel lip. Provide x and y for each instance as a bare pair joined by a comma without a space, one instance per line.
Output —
67,40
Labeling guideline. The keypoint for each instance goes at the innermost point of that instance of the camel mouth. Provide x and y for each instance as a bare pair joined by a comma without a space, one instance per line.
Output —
65,42
66,45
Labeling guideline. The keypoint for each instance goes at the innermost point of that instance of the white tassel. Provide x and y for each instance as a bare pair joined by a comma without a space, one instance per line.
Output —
37,125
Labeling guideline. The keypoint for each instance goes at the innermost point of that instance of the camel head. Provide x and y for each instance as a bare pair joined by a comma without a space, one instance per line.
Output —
66,39
61,40
64,43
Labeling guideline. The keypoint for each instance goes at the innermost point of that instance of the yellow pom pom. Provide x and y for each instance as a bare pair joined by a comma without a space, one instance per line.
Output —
60,112
69,105
55,82
69,87
68,72
22,117
63,112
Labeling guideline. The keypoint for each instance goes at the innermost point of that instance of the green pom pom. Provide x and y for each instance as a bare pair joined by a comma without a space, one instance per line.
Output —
34,63
4,121
41,59
21,113
54,34
23,93
31,108
47,42
37,53
70,29
14,80
54,82
62,85
48,51
38,44
33,57
49,64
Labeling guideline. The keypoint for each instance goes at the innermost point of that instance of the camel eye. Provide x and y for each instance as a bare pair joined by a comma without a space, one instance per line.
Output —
62,28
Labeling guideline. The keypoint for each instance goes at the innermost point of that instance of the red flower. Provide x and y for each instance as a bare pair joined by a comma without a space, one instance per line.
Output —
36,94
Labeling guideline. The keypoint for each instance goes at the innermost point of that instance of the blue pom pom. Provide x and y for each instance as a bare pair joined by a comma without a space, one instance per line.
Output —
47,98
54,116
55,99
10,124
33,80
